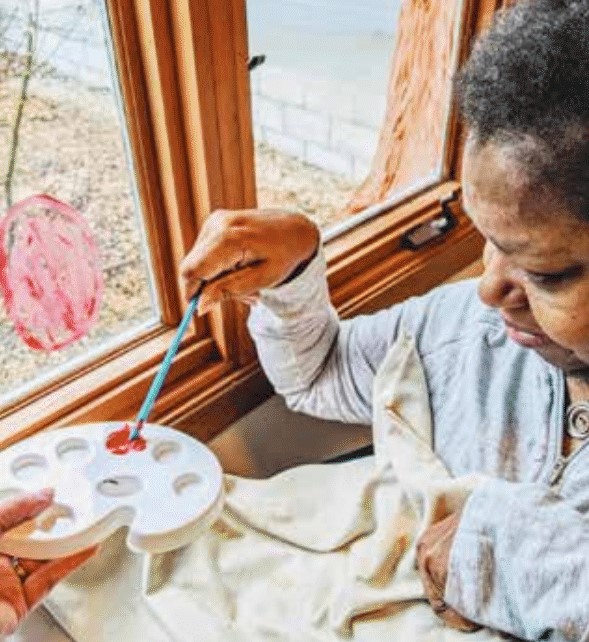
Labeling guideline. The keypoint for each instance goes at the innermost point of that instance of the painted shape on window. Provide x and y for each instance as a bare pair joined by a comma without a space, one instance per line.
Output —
50,274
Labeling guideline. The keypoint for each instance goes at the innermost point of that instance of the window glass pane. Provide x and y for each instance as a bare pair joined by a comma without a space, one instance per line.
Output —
319,100
70,144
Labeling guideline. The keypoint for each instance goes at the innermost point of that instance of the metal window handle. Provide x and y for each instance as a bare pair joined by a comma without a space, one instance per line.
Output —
430,231
256,61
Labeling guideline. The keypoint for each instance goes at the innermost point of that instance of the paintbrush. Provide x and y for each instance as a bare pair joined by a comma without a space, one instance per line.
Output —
158,381
160,377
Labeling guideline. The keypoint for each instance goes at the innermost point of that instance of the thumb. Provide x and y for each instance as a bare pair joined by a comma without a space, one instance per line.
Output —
23,507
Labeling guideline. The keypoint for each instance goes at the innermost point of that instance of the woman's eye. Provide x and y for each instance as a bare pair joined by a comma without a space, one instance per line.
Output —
555,278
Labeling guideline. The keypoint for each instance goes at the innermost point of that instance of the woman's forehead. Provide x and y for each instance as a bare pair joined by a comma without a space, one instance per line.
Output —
494,173
511,213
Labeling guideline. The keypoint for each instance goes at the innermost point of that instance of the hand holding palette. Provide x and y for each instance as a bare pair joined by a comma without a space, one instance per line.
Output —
167,493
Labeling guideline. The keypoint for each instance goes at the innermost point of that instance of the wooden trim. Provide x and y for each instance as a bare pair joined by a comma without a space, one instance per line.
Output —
416,276
343,249
156,40
479,17
215,81
472,271
368,277
139,119
209,413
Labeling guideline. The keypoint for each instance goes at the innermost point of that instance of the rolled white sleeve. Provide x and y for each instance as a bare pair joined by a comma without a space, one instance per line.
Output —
321,365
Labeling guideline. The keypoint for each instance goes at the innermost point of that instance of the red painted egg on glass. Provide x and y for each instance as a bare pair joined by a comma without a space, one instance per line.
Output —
50,274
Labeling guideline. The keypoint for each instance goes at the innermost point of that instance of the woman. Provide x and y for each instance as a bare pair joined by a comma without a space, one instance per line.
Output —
23,583
507,368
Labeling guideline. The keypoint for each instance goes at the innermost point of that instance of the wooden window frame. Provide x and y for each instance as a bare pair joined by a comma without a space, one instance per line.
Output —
185,86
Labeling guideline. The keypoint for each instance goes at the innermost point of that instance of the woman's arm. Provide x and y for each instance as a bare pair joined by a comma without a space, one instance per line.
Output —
322,366
519,563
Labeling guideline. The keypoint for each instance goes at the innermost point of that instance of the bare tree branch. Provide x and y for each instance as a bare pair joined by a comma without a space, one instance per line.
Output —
26,77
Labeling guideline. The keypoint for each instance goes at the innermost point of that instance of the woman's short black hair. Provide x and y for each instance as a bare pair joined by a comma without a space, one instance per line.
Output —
526,85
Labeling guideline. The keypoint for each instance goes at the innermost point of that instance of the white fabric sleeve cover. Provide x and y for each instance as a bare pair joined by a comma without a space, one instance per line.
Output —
322,366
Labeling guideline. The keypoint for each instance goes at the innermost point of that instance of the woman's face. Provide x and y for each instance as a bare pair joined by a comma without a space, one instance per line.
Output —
536,258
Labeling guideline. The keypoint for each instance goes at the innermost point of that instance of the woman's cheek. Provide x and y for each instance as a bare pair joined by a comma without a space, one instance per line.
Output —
578,334
566,325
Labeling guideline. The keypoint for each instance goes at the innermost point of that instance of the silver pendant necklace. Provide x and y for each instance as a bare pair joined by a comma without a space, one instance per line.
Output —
577,420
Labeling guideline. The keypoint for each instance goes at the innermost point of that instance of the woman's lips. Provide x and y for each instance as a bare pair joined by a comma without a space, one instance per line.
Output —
526,338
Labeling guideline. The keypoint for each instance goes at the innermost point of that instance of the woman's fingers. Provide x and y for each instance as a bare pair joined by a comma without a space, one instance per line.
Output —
8,618
220,247
456,621
194,284
230,240
435,596
246,282
11,588
433,592
30,566
37,585
19,509
17,596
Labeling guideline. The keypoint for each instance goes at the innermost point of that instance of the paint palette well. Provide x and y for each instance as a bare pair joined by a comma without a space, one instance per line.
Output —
166,494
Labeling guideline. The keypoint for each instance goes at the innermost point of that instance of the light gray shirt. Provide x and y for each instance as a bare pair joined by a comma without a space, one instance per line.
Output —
520,558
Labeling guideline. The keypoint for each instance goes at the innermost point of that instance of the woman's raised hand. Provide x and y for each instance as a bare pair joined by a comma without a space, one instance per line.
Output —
24,582
255,248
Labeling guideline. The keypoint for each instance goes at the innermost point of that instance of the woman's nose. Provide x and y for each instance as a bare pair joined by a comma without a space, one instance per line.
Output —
499,286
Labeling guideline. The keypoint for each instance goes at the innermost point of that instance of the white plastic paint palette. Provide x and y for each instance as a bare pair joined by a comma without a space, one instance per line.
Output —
166,494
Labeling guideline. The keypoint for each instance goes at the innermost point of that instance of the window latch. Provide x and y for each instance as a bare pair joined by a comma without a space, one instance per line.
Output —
256,61
430,231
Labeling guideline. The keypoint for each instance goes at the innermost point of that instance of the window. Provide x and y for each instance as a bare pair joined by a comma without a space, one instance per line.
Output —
70,142
182,68
327,143
318,99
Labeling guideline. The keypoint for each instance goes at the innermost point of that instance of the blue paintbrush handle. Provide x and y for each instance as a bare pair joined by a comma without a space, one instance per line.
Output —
160,377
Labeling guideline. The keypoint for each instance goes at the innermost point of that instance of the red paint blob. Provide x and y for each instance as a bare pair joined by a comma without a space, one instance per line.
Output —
118,442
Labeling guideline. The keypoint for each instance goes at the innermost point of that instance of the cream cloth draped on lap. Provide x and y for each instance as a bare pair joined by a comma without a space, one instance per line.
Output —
321,552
